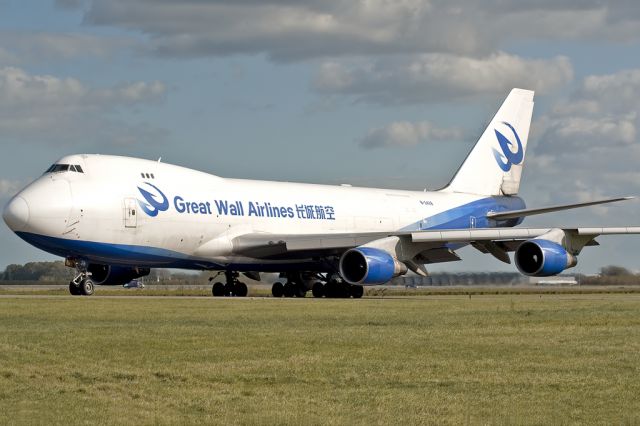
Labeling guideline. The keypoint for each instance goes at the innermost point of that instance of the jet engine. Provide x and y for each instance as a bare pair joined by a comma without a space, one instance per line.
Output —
369,266
543,258
114,275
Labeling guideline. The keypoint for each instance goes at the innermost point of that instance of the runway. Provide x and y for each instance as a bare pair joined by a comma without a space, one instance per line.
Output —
613,296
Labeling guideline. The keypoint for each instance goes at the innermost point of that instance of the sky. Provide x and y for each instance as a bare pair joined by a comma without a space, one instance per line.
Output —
383,93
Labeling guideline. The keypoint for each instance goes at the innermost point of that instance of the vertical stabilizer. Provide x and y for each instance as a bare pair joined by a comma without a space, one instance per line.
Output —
494,165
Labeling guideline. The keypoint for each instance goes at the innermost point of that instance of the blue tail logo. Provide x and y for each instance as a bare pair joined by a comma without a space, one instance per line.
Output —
153,203
507,157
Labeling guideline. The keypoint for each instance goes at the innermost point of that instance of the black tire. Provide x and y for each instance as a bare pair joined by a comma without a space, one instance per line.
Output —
331,289
73,289
277,290
241,289
344,291
217,289
228,289
86,287
289,290
318,289
357,291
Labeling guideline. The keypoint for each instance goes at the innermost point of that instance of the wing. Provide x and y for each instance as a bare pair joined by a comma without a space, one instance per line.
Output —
431,246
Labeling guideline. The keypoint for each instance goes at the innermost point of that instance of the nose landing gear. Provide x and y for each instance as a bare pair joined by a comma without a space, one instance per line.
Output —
81,285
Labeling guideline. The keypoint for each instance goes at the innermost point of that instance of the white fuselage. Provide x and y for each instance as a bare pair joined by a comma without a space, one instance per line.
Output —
138,212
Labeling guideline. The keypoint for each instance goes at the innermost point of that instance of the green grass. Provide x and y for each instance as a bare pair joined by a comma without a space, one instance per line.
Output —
527,359
375,291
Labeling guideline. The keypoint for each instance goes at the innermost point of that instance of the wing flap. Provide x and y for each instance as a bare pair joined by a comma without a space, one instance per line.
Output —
437,255
609,231
469,235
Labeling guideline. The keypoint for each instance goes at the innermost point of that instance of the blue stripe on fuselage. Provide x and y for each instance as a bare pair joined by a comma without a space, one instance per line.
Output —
460,217
109,253
133,255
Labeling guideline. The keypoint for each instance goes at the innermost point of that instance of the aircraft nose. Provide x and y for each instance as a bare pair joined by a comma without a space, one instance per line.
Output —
16,213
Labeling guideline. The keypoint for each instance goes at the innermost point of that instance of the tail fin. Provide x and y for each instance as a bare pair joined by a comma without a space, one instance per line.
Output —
494,165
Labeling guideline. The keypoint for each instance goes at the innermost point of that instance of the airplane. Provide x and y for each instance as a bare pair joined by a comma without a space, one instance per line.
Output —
113,218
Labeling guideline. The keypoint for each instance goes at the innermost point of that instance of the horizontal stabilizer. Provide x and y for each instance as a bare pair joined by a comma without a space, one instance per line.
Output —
514,214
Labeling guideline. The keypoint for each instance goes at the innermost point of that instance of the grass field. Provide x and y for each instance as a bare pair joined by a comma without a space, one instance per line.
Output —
524,359
263,290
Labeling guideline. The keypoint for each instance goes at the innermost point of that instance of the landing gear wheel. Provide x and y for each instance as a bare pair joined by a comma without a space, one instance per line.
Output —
344,291
318,289
73,289
289,290
331,289
240,289
357,291
277,290
217,289
86,287
228,289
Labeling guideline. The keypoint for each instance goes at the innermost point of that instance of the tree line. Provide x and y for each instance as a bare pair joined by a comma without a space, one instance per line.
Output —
57,272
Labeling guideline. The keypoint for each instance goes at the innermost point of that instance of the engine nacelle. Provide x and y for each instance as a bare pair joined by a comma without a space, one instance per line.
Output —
115,275
369,266
543,258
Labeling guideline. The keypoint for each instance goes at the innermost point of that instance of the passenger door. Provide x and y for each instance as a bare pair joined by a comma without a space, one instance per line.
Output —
130,213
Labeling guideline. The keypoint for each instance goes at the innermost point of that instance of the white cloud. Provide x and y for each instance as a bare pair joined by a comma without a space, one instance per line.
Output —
588,143
407,134
577,132
602,112
292,30
19,88
45,107
438,77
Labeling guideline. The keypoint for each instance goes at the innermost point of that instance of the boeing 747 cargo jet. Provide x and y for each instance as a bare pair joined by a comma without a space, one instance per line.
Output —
112,218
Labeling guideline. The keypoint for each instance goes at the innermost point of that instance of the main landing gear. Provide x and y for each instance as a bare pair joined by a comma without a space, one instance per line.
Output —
336,289
296,285
329,287
288,289
232,287
81,285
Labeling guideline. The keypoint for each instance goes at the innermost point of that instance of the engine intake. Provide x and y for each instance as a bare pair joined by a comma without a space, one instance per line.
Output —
543,258
369,266
114,275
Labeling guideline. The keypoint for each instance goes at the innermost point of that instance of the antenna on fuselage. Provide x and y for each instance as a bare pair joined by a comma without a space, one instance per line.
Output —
159,159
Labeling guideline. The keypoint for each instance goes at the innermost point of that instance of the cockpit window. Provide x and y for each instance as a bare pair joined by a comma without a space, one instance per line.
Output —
55,168
60,168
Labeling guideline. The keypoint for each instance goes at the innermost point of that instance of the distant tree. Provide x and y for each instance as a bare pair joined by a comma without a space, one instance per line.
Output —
614,271
37,271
